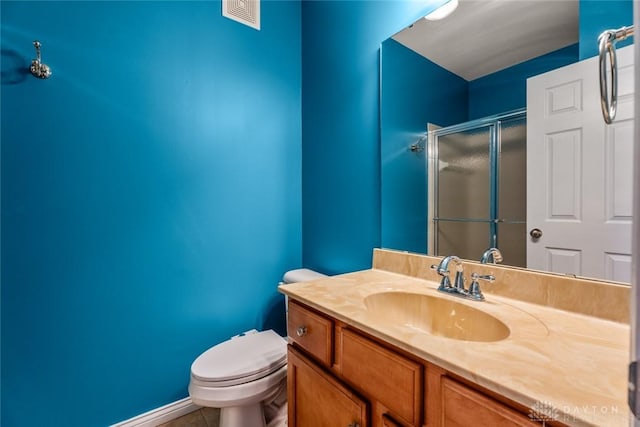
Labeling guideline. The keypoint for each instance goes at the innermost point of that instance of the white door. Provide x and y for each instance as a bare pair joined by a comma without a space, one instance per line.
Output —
580,172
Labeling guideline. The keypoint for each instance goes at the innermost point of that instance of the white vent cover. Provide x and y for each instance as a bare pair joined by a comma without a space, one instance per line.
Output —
244,11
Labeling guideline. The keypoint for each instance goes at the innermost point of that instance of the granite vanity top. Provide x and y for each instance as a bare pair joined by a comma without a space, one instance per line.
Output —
571,364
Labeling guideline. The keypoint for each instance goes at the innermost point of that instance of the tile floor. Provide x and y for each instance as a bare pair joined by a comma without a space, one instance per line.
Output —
203,417
275,413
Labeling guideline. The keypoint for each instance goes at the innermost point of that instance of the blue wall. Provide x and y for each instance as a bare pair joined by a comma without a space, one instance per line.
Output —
597,16
415,91
151,188
340,124
151,198
506,90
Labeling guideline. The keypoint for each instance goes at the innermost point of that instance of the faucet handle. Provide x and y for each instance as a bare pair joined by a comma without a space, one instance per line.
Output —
474,288
445,283
487,277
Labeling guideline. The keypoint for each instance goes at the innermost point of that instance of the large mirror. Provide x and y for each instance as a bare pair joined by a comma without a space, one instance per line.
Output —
455,76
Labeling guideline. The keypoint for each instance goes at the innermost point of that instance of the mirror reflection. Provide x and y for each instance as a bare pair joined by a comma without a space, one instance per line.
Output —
465,188
478,171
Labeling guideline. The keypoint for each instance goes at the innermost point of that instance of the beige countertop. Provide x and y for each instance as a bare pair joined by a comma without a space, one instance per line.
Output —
572,364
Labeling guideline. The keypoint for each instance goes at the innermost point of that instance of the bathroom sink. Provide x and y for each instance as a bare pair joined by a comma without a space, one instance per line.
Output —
437,316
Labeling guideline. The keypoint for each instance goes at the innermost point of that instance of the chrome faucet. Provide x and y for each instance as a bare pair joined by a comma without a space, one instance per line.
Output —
457,288
443,270
491,255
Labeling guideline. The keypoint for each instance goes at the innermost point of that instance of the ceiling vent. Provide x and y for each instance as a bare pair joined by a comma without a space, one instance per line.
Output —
244,11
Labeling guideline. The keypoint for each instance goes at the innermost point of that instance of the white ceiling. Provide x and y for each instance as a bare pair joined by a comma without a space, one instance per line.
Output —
484,36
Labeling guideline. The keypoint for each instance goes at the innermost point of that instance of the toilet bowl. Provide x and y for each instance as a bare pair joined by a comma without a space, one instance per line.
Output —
244,374
239,376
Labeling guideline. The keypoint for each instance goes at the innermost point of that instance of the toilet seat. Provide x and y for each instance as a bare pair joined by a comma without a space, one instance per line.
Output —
239,360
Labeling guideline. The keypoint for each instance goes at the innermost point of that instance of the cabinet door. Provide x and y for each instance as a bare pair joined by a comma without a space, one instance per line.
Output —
316,399
464,407
382,376
388,421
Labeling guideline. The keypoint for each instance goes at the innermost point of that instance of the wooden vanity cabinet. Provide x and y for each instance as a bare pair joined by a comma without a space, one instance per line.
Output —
463,406
390,381
311,331
341,377
329,358
316,398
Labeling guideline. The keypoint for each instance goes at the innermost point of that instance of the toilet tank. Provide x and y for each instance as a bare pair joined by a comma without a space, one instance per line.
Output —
301,275
295,276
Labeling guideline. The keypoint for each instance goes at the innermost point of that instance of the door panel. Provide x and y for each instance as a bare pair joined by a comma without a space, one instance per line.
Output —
579,173
466,239
464,175
512,171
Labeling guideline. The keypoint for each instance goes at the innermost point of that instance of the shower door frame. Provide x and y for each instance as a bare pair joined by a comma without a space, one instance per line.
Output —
493,123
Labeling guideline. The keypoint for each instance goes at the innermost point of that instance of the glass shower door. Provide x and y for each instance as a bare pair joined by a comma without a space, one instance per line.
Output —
511,226
464,195
477,188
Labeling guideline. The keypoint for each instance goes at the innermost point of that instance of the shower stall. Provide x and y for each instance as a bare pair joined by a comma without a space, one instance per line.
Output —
477,188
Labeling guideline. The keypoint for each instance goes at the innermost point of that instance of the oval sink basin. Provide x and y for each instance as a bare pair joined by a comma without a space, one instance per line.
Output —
436,316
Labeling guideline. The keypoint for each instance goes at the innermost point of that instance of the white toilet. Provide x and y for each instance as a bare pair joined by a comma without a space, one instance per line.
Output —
238,375
243,374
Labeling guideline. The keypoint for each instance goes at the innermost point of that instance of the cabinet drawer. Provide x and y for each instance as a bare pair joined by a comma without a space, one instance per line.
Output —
382,375
463,406
311,331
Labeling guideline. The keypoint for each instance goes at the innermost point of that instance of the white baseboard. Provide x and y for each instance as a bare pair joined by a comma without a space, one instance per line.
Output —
161,415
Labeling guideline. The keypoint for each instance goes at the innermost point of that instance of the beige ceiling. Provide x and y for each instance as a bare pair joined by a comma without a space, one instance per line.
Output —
484,36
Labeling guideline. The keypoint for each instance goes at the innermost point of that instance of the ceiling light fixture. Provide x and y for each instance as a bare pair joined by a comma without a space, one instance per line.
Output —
443,11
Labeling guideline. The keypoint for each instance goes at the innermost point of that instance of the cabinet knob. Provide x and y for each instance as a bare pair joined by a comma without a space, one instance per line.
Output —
353,425
301,331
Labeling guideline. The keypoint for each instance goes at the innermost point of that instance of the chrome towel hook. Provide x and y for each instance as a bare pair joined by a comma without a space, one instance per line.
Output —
607,47
38,69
